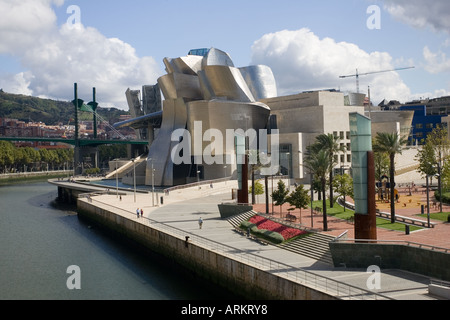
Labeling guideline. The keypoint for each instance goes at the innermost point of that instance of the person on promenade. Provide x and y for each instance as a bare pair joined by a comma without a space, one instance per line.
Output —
142,213
137,212
200,222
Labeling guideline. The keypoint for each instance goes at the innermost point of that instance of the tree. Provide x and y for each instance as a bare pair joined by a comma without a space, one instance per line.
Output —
6,154
427,158
254,166
319,164
343,185
280,194
438,139
391,144
259,188
330,143
299,198
381,165
446,174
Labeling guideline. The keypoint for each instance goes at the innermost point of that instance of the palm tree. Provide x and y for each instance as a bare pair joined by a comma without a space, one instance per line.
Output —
319,164
332,144
390,143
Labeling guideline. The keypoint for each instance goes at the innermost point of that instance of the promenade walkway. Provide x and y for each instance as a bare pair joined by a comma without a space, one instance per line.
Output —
183,208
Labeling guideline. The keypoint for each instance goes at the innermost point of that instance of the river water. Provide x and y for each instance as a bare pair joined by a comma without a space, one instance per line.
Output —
40,240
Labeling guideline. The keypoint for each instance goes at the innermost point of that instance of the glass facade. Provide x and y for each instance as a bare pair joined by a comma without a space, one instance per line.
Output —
198,52
361,143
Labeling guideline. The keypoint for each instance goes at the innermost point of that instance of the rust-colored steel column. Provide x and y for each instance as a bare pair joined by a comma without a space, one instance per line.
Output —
365,224
243,193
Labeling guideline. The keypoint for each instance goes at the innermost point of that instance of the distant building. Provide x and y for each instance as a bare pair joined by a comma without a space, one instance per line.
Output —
428,115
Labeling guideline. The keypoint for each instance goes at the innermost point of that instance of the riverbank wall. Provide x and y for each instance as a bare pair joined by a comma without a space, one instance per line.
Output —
246,280
20,176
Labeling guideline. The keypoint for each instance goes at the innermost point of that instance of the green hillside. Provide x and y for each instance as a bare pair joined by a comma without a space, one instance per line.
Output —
50,112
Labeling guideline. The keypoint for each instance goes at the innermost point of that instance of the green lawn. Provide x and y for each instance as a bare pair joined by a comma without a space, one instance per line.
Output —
436,216
338,212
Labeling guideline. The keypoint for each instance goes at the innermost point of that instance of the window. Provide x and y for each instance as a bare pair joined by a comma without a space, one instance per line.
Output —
341,135
419,126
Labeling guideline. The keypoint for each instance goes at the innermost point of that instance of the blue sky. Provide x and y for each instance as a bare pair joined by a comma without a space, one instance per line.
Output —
308,44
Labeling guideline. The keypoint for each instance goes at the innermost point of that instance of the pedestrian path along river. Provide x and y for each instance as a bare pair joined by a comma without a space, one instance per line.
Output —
183,208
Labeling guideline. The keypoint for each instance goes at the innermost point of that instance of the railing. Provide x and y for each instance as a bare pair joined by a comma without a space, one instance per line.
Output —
343,235
441,283
387,216
196,184
325,284
397,242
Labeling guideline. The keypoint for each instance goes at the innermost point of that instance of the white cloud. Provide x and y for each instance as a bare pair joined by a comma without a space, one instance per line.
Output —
302,61
421,14
23,21
57,57
17,83
436,62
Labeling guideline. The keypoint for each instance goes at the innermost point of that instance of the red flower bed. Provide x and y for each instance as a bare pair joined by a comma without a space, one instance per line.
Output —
286,232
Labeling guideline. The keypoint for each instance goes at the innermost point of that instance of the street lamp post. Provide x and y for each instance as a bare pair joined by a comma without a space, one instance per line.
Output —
153,185
134,177
440,187
117,182
428,201
312,199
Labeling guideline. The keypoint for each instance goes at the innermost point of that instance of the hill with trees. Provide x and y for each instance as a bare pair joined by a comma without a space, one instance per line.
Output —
50,112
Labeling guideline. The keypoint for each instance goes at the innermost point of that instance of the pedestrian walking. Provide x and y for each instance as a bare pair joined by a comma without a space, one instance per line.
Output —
200,223
137,212
142,213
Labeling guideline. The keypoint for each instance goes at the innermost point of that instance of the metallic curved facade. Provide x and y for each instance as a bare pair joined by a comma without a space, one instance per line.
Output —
206,89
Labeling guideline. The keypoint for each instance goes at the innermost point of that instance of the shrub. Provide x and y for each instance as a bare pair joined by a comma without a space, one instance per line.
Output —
268,235
271,236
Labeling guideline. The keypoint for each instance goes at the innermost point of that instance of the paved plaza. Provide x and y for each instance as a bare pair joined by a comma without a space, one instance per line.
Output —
181,209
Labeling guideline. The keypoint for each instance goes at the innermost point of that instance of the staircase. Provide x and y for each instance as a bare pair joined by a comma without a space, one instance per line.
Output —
236,220
313,246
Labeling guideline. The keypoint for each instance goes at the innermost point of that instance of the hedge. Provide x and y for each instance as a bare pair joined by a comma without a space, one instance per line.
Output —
271,236
445,197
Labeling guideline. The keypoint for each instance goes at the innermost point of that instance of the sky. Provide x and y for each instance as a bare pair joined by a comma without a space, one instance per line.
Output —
48,45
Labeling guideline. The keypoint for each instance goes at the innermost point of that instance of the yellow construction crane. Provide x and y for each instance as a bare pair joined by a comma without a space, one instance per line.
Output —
357,75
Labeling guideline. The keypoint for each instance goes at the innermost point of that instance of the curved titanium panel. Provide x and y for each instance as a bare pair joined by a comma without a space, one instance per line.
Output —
225,115
188,65
227,82
261,81
178,85
160,152
216,57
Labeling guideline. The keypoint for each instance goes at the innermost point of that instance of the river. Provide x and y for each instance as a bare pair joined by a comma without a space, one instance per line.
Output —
40,240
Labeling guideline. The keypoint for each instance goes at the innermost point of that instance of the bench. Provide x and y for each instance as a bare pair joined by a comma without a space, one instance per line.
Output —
291,217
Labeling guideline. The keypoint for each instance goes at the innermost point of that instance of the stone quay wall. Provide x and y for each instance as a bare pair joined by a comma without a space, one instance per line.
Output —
224,271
